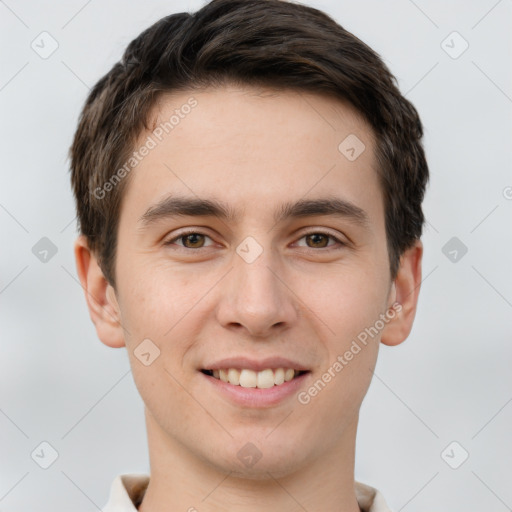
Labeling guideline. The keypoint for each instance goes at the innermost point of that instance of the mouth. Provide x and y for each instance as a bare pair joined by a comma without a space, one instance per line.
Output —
246,378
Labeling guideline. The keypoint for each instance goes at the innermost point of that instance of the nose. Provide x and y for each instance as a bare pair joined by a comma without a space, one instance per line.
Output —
256,298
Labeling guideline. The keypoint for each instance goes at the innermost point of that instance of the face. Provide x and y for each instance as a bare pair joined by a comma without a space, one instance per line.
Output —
285,268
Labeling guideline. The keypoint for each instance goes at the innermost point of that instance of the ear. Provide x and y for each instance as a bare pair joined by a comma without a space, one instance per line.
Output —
99,295
404,293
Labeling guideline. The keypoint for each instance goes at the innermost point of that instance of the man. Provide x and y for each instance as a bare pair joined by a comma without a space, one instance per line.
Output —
249,183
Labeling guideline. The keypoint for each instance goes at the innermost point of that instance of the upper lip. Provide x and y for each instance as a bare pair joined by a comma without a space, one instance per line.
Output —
256,365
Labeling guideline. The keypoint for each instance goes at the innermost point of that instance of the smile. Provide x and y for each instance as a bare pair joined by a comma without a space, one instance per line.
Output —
246,378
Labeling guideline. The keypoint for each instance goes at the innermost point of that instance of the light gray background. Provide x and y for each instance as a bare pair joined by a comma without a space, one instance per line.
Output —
450,381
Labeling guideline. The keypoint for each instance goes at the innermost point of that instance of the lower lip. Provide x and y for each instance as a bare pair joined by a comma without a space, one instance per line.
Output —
256,397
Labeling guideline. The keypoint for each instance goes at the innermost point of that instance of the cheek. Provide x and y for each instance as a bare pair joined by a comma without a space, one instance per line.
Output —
155,316
349,301
331,403
155,299
351,307
165,307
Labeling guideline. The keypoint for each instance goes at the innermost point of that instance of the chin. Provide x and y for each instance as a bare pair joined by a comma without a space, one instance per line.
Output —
255,460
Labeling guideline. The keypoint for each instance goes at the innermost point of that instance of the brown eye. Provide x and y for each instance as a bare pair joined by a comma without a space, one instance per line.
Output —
194,239
319,240
189,240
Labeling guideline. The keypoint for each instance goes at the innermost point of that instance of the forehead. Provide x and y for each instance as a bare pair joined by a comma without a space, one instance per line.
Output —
255,146
241,109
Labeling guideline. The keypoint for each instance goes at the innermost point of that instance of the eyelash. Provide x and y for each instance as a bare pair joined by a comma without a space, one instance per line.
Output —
195,232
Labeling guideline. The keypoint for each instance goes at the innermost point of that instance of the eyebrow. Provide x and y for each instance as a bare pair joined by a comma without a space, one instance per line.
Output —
176,206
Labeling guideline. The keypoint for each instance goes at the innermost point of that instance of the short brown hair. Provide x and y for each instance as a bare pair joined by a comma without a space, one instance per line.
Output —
272,43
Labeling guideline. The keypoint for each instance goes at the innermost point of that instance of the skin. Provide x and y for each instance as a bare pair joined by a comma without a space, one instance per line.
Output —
303,298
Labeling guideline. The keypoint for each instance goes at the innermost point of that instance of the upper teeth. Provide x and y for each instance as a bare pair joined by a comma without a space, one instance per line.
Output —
251,379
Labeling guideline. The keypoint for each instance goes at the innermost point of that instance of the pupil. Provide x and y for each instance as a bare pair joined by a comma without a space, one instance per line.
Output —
315,236
191,238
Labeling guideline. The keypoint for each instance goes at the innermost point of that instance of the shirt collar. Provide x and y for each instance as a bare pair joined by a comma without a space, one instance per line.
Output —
127,491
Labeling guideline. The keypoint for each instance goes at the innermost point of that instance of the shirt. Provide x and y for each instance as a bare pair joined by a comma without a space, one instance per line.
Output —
127,491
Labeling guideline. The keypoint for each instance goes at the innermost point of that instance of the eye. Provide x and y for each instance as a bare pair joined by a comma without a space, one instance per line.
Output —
320,239
196,240
191,240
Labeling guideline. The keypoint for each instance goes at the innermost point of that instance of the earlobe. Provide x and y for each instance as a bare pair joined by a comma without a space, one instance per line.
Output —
405,291
99,295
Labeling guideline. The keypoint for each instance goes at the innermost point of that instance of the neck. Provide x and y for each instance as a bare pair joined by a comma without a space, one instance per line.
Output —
182,481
